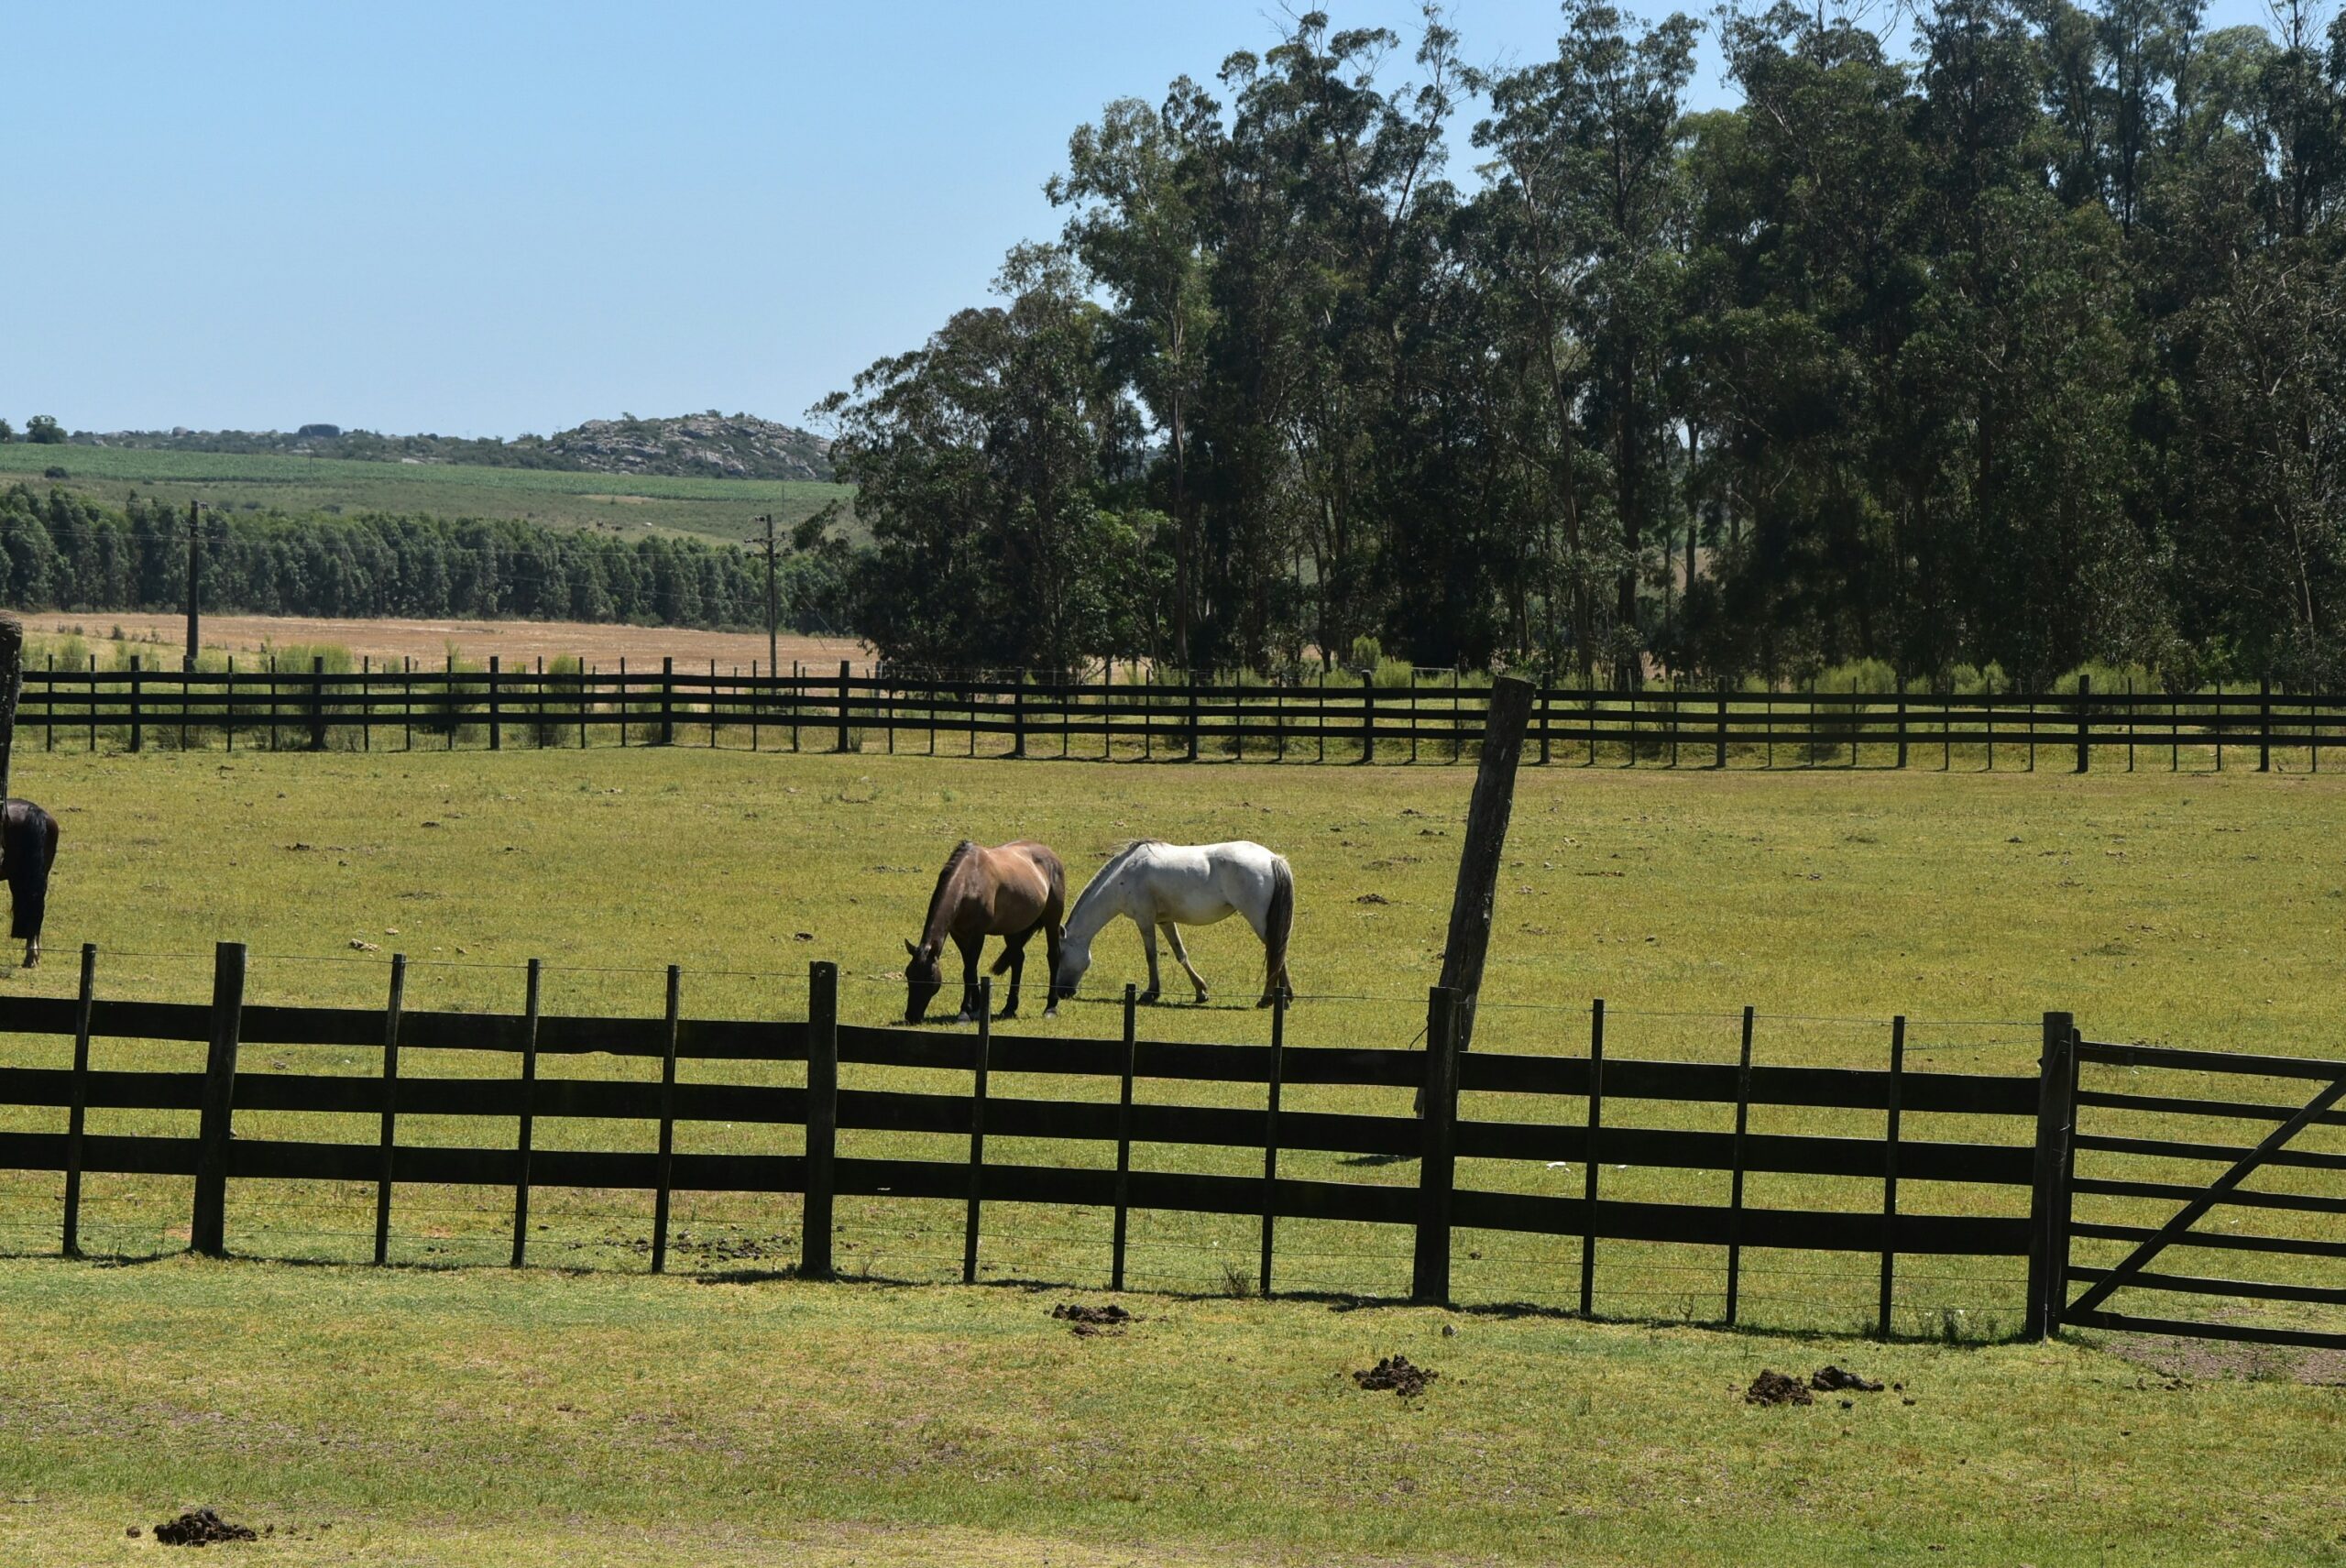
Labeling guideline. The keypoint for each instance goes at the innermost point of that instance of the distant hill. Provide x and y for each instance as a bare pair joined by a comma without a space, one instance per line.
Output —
698,446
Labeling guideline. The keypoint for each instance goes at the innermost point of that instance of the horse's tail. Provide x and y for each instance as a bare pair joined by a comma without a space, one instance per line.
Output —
1278,924
31,850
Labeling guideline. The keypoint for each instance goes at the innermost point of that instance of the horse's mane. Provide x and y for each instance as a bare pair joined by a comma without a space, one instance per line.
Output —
1115,863
961,851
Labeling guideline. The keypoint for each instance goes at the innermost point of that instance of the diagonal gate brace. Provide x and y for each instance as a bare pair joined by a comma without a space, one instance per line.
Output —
2189,1214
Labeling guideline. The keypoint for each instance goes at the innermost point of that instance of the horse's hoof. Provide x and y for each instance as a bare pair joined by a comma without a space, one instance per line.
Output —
965,1018
1147,999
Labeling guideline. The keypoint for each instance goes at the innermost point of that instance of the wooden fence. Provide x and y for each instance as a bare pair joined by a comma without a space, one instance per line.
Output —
409,708
1571,1111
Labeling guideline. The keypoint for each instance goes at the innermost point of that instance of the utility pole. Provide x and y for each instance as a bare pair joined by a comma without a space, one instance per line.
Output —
773,615
194,578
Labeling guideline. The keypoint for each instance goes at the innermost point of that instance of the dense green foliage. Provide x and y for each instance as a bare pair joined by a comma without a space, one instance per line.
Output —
58,551
2030,349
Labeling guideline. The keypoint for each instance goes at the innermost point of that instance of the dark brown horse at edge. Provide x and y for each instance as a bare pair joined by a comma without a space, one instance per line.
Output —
1010,891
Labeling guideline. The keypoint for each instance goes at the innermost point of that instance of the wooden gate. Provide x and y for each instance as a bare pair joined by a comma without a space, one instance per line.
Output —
2160,1163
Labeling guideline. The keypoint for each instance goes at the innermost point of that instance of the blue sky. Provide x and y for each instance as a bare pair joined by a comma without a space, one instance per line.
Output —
484,219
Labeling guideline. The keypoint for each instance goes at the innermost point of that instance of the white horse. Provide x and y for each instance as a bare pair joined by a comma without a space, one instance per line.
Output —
1161,886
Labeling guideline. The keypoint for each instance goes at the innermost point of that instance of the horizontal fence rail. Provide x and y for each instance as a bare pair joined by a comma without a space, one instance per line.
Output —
280,708
1486,1112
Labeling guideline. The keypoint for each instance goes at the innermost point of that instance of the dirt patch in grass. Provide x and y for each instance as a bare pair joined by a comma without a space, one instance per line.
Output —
1772,1387
201,1526
1398,1373
2202,1360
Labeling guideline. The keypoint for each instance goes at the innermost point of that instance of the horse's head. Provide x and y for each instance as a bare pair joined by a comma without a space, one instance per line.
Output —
924,978
1074,959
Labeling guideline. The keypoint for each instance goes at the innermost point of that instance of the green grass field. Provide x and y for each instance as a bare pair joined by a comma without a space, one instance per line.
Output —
718,508
767,1420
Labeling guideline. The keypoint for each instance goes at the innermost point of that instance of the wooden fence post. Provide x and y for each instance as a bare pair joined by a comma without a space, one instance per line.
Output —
1018,713
496,714
391,1010
1901,723
318,703
984,1049
1735,1190
1368,717
2085,721
78,1105
529,1115
1123,1143
1438,1148
1483,854
667,702
137,729
822,1118
1543,726
1719,760
2049,1263
668,1128
1271,1134
1889,1169
207,1230
2263,723
1595,1161
844,671
1191,677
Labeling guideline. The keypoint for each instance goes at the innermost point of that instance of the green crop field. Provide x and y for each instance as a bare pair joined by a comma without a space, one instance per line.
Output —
718,508
447,1412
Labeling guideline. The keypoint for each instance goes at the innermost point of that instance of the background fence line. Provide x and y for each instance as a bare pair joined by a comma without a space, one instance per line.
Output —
275,708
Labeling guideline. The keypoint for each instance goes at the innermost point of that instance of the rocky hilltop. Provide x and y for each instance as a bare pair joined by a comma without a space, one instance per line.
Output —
735,447
703,446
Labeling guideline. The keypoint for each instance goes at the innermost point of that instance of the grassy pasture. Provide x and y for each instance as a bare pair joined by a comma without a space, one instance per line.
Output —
630,504
2200,911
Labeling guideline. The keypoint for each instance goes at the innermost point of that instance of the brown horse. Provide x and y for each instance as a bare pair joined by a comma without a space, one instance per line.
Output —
1012,891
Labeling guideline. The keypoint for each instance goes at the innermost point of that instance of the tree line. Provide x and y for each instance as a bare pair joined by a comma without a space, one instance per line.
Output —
2021,339
59,551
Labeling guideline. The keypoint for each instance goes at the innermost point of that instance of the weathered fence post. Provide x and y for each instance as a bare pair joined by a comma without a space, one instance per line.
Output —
1481,855
1544,726
385,1171
1368,716
1591,1156
1437,1148
318,702
1719,759
1901,723
1125,1143
2049,1263
524,1134
1271,1134
822,1118
1890,1170
980,1062
78,1104
2264,724
667,702
1191,677
844,671
2085,721
496,713
1018,713
208,1230
137,725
